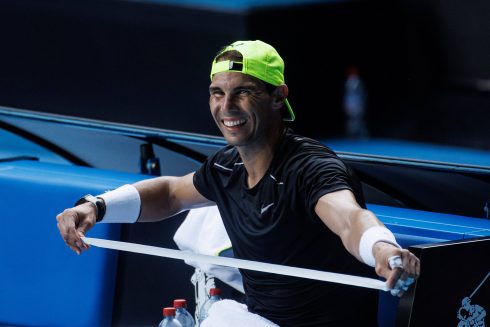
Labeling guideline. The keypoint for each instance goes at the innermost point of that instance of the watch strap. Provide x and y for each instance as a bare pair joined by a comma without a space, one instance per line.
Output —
98,203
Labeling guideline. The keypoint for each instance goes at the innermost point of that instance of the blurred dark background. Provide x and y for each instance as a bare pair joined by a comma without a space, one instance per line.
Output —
426,63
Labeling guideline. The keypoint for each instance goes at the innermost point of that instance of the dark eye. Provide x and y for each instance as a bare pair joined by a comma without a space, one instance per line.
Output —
216,93
244,92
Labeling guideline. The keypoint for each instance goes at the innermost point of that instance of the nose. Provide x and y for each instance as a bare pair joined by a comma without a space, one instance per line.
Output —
228,103
224,104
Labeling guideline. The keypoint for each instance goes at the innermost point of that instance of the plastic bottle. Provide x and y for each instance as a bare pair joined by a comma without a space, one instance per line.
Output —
169,318
214,296
355,105
182,315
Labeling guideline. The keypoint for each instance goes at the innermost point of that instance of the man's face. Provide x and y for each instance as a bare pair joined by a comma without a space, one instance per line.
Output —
241,107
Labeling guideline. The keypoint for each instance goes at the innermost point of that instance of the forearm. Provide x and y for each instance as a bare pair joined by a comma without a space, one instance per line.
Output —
148,200
157,201
366,238
358,228
360,221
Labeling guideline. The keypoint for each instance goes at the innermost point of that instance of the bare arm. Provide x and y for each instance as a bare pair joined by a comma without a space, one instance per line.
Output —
342,214
161,197
166,196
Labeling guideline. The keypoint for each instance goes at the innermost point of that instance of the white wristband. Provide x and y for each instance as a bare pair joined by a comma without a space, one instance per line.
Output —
370,237
122,205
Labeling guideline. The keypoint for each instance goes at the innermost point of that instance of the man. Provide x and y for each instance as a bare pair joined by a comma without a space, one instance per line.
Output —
284,199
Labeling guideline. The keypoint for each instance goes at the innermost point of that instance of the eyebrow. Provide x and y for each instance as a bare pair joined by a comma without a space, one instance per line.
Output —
214,88
251,87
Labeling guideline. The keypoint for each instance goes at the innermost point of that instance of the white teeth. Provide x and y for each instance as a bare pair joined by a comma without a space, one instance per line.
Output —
231,123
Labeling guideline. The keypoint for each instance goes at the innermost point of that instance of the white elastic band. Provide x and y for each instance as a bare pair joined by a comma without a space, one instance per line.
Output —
370,237
240,263
122,205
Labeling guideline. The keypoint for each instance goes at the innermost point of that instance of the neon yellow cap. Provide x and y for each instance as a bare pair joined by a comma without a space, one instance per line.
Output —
260,60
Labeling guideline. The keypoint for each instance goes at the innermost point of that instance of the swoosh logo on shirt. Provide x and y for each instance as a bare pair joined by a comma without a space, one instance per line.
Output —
264,209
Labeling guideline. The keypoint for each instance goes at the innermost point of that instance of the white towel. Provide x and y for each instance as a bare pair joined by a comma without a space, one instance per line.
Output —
226,313
203,232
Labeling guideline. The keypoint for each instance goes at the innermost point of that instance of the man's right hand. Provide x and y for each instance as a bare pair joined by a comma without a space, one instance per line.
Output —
73,223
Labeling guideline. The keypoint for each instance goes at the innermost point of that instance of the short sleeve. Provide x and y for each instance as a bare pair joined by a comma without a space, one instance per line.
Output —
202,180
323,174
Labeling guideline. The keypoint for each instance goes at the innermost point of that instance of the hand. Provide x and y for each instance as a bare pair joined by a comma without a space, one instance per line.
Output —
73,223
399,272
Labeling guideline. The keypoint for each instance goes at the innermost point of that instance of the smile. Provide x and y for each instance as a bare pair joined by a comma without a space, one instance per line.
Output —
233,123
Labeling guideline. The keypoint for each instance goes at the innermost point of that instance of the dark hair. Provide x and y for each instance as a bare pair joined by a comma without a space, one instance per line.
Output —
236,56
232,55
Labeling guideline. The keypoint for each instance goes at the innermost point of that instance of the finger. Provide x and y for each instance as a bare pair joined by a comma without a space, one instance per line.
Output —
411,263
76,244
402,285
67,221
395,262
85,245
404,279
85,225
394,277
396,267
397,289
64,227
75,239
417,268
72,246
406,263
75,249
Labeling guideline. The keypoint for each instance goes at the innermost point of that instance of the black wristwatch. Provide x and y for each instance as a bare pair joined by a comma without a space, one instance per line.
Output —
97,202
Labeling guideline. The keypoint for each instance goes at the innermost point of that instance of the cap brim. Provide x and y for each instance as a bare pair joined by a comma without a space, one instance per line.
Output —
291,115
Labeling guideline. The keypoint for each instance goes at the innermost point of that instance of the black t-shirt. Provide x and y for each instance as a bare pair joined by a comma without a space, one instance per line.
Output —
275,222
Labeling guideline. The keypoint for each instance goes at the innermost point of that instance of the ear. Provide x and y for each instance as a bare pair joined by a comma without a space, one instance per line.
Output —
279,95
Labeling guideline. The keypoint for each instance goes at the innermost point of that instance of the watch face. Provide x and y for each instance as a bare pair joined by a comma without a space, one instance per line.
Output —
90,198
82,200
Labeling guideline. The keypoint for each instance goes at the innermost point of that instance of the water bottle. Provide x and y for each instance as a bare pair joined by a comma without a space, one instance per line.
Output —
169,318
182,315
355,105
214,296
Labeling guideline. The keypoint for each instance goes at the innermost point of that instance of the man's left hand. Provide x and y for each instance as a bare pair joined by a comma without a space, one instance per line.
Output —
400,267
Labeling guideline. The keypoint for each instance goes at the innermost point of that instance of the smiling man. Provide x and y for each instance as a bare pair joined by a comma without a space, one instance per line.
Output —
283,198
